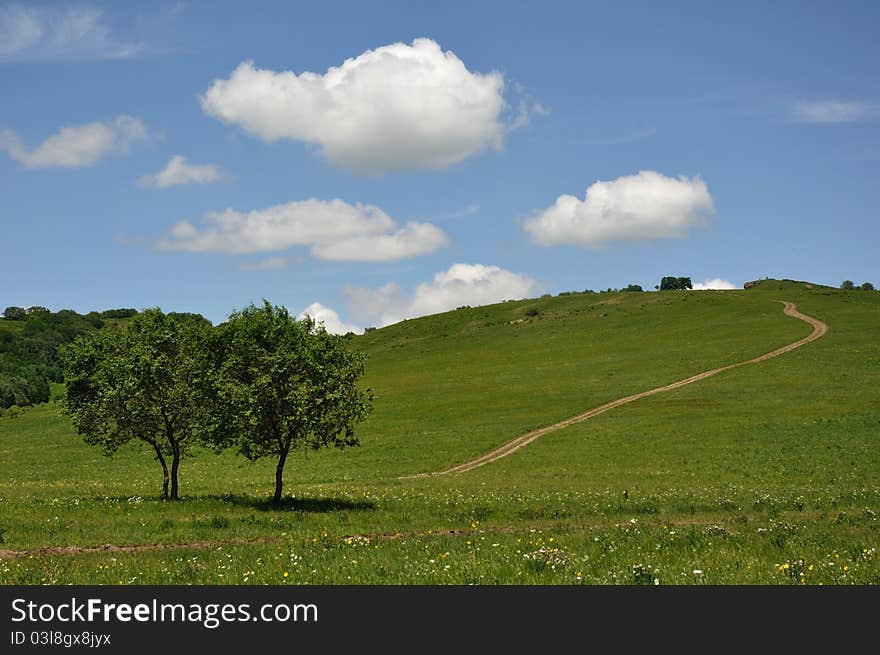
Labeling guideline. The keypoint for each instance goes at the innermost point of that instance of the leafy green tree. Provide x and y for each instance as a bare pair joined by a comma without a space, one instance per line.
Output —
867,286
847,285
15,313
671,283
36,310
284,385
633,288
121,312
152,381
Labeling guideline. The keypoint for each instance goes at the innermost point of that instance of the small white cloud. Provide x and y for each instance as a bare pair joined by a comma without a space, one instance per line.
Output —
461,284
641,207
29,33
329,319
333,229
177,171
835,111
77,146
714,283
464,212
398,107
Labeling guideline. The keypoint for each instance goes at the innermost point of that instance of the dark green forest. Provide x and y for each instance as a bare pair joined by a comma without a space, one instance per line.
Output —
29,341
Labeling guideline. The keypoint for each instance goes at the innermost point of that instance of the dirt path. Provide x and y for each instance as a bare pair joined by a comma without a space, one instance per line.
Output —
134,548
819,329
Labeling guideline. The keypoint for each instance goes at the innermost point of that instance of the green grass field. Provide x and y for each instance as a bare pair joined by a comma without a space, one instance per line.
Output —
769,473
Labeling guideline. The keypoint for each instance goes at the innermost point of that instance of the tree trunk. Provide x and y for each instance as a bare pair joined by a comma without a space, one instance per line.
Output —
164,471
279,475
175,464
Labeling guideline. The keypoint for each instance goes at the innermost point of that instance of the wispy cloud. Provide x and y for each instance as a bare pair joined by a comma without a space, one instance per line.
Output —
178,171
835,111
76,146
30,33
624,137
269,263
527,107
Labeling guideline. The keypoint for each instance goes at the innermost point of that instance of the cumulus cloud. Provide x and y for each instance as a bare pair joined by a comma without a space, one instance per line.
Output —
177,171
835,111
714,283
329,319
76,146
641,207
49,33
398,107
333,229
461,284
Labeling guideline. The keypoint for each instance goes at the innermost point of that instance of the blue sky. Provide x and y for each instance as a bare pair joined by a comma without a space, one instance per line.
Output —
145,162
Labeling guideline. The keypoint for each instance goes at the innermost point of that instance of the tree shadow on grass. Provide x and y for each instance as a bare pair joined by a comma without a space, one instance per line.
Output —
305,504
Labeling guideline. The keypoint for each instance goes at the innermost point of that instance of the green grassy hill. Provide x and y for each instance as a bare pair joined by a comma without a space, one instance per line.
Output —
759,474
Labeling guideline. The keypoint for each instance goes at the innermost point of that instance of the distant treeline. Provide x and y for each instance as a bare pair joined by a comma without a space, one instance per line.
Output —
29,358
849,285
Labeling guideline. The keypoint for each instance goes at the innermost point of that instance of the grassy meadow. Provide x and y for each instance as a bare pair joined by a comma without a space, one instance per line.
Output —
765,474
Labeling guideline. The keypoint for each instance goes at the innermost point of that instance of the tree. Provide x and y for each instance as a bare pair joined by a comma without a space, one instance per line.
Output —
152,381
36,310
286,384
120,312
15,313
633,288
671,283
847,285
867,286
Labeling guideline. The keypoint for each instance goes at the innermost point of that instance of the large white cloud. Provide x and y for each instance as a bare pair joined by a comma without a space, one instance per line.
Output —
76,146
461,284
329,319
334,229
714,283
835,111
178,171
397,107
641,207
64,32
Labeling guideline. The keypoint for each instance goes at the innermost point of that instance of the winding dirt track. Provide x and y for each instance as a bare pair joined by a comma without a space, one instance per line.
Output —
819,329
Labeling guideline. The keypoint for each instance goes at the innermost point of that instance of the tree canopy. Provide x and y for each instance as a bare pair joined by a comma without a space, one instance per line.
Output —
14,313
285,384
671,283
151,381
